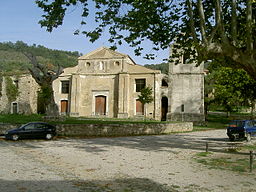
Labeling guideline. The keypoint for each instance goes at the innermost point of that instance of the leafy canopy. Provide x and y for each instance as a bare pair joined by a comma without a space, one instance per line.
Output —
206,29
233,88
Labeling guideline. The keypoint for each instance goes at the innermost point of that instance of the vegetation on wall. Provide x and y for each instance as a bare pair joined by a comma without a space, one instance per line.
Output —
12,91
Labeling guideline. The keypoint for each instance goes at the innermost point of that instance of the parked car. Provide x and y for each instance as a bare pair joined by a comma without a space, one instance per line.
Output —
241,129
32,130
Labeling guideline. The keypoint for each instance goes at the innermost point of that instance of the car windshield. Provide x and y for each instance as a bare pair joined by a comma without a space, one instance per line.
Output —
23,126
236,124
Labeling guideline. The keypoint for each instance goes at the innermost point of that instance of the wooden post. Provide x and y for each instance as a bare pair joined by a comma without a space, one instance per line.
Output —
251,161
206,147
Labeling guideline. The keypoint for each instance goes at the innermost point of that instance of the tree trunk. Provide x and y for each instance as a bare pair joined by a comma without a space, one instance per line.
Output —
52,108
48,94
252,109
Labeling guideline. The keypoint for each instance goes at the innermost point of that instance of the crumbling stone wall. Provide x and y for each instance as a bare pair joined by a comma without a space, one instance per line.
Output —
27,95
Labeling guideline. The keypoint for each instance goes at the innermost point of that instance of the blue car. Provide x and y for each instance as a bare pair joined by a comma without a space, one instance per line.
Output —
241,129
32,130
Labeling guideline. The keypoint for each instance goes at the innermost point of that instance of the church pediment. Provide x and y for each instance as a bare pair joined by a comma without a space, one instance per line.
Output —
103,53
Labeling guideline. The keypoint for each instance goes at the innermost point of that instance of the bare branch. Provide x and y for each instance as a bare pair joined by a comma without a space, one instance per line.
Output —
234,21
219,22
202,20
249,26
191,20
214,30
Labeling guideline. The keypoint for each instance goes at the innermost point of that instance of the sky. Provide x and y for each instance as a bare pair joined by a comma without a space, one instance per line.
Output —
19,22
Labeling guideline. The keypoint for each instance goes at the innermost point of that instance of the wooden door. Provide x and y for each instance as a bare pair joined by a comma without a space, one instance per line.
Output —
64,106
139,108
100,105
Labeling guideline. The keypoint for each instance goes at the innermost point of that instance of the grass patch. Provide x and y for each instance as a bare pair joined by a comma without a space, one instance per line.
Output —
249,147
203,154
231,163
19,119
219,121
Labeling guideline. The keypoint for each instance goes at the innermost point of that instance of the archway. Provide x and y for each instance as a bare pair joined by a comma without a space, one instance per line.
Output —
164,108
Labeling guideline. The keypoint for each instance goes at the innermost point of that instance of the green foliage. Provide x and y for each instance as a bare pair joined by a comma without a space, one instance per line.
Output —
13,60
163,67
12,91
233,88
44,96
145,96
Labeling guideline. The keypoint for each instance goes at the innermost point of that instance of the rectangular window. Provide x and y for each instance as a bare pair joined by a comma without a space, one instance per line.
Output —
140,84
64,86
182,108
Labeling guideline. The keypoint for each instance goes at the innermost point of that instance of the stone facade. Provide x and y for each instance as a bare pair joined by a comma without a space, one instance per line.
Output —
106,83
26,101
186,93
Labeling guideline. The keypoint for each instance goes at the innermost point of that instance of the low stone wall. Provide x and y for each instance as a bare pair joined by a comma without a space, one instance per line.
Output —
124,129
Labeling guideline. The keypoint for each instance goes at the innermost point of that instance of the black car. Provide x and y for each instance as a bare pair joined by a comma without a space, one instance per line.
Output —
241,129
32,130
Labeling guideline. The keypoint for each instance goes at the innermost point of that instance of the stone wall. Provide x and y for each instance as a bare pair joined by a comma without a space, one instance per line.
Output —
104,130
26,100
191,117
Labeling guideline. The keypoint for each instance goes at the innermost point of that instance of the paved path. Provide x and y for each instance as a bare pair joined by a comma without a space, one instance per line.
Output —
144,163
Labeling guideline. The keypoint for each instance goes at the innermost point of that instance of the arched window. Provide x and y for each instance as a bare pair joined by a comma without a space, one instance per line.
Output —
164,83
88,64
101,66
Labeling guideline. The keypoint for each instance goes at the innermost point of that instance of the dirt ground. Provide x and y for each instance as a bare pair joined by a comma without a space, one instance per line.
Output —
142,163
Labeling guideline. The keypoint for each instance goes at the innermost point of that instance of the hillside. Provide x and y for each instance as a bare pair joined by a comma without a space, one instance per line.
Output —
12,60
163,67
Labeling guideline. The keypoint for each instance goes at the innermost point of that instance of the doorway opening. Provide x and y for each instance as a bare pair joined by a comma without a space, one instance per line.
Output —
164,108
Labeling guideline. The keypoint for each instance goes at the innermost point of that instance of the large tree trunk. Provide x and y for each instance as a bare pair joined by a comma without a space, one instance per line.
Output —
48,94
52,108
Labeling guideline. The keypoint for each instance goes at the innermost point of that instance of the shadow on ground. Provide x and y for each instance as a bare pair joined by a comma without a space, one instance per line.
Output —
116,185
190,141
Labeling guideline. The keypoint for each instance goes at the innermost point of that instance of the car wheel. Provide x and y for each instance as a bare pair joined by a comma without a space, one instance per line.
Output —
49,136
248,138
15,137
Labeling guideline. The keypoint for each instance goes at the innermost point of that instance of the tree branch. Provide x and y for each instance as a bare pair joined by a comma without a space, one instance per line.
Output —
219,22
202,21
234,21
191,20
249,26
